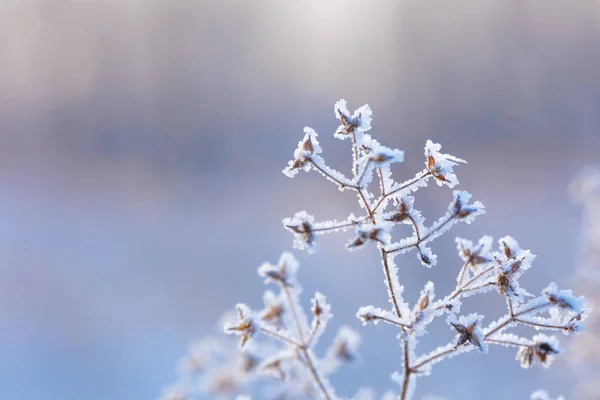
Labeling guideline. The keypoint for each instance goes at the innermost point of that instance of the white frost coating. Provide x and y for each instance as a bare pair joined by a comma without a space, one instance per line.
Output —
331,174
321,315
469,330
283,320
399,380
543,395
426,257
323,227
564,299
358,123
425,310
466,212
395,288
245,327
375,314
301,225
548,346
438,355
284,272
307,148
441,165
510,263
378,232
510,340
398,190
476,256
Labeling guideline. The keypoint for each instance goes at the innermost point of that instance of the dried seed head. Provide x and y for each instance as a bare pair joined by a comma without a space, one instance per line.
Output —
543,351
503,283
525,356
316,309
308,146
273,313
245,327
425,258
401,214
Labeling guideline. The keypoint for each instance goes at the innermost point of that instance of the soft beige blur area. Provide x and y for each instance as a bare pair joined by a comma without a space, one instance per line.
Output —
141,144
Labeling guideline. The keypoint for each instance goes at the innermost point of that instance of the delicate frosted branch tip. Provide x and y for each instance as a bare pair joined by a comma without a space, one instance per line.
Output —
301,225
441,165
357,123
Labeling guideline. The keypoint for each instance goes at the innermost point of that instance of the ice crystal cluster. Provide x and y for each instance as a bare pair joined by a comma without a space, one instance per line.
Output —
584,354
277,360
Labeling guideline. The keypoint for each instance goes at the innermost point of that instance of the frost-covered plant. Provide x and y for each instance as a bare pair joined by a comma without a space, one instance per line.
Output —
584,354
484,269
222,369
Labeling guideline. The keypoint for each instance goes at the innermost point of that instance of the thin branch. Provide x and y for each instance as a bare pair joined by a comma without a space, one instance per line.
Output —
313,371
541,325
505,342
354,154
303,348
433,357
381,182
280,337
461,274
407,371
290,301
330,176
388,277
425,174
339,226
423,240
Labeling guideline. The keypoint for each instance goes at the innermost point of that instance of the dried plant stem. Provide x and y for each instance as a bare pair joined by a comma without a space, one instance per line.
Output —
388,277
315,375
424,238
279,337
407,371
421,175
303,348
433,357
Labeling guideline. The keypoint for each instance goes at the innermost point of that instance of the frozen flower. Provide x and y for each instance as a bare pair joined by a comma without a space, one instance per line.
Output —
464,211
301,225
544,349
378,232
274,306
245,327
284,273
307,148
441,165
469,330
475,254
357,123
564,299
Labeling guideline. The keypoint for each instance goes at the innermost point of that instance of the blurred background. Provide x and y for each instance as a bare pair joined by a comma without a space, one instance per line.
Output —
141,148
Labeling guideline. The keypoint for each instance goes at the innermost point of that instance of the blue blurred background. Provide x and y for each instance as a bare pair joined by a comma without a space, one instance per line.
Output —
141,148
